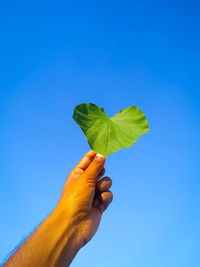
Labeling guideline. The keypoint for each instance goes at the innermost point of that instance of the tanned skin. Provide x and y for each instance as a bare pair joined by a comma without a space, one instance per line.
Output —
73,222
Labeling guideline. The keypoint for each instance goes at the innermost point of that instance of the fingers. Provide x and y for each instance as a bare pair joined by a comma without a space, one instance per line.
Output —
106,198
103,196
86,160
103,185
84,163
103,201
101,173
93,171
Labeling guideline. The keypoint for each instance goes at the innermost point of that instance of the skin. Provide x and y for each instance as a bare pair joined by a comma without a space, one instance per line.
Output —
73,222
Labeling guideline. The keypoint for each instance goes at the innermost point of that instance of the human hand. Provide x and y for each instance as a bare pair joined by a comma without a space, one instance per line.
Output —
73,222
85,197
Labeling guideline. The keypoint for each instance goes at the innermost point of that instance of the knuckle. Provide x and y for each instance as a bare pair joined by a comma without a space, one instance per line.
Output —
89,156
77,171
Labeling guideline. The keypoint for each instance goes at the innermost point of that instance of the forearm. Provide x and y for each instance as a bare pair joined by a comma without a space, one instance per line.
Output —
73,222
53,243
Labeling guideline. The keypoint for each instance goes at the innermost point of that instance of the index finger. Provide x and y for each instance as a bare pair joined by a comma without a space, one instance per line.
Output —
86,160
93,170
83,163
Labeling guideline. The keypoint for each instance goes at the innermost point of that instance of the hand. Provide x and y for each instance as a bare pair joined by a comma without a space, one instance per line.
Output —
85,197
73,222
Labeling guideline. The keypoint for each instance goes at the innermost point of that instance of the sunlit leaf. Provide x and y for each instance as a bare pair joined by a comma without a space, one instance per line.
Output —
107,135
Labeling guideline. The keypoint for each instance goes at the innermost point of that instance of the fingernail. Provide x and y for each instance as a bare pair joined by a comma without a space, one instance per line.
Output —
99,155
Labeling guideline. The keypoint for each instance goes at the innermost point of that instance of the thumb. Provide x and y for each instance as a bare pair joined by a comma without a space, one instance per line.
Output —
93,170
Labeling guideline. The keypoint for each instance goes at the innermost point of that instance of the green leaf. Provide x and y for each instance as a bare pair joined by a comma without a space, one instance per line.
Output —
107,135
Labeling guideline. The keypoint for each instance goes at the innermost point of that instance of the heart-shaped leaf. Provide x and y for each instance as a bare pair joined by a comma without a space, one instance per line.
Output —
107,135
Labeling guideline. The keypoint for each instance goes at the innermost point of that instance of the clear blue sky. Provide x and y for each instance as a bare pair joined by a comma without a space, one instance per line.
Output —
57,54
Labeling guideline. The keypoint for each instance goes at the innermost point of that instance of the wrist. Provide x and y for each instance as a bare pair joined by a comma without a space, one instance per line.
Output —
64,238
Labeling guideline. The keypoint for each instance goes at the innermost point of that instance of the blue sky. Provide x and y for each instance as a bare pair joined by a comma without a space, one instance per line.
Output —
54,56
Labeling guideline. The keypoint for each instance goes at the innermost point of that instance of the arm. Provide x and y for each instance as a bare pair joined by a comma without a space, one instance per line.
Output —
73,222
